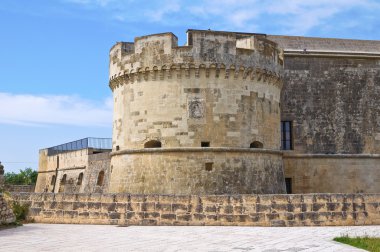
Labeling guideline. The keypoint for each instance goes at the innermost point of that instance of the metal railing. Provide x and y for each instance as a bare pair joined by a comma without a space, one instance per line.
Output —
89,142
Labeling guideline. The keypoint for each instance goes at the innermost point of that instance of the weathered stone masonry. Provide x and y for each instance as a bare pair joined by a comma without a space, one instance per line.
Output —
249,210
204,118
6,213
331,95
221,90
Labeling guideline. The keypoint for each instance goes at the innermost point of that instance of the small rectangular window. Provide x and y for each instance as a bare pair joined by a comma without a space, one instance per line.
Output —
205,144
286,135
288,184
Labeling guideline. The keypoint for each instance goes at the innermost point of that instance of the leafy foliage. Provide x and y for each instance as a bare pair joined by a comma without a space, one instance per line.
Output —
24,177
20,211
368,243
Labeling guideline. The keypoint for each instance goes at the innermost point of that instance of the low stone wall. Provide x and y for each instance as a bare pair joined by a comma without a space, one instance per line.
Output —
6,213
242,210
19,188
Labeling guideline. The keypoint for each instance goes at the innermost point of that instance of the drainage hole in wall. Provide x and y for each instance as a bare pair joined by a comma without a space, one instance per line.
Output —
208,166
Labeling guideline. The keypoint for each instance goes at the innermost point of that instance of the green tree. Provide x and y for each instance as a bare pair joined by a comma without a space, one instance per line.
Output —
27,176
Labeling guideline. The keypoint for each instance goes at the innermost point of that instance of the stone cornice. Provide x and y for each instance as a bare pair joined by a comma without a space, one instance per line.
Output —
182,71
307,155
331,54
195,149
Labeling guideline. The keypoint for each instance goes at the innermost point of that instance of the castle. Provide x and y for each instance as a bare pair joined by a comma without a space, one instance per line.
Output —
231,113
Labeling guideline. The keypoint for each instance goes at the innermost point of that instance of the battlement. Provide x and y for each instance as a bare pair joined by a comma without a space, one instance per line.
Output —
203,48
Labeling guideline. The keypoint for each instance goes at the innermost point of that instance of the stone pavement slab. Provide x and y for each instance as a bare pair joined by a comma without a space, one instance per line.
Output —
61,237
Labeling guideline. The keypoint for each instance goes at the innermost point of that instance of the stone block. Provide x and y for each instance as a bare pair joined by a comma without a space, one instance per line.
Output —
181,199
79,205
70,214
34,211
322,198
347,207
261,208
152,198
94,205
129,215
151,215
373,208
272,216
69,197
114,215
358,207
108,198
166,199
264,200
308,198
211,217
249,199
168,216
257,217
148,222
280,199
40,204
84,215
333,207
67,206
277,223
59,214
295,198
147,206
279,207
199,217
121,207
180,208
95,197
210,209
94,215
316,207
184,217
163,207
223,218
82,197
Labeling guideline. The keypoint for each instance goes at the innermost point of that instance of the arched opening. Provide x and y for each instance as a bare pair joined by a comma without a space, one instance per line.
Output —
80,178
100,178
63,183
256,144
153,144
63,180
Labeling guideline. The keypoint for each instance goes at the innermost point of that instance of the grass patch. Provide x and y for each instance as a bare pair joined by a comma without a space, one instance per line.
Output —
368,243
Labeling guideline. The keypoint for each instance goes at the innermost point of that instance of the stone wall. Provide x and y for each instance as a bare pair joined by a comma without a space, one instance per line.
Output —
339,173
197,171
19,188
244,210
333,102
80,168
6,213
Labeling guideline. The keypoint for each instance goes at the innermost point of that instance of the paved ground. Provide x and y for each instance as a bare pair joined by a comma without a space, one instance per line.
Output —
57,237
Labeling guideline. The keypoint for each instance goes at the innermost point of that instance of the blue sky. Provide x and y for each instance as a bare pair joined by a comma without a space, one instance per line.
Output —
54,55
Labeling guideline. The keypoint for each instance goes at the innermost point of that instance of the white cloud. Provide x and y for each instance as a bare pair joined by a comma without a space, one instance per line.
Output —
168,7
40,110
289,17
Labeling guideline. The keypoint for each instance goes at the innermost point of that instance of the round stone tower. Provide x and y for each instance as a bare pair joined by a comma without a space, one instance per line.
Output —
203,118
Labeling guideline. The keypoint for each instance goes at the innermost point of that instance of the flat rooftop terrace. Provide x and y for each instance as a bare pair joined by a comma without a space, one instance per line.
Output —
85,143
